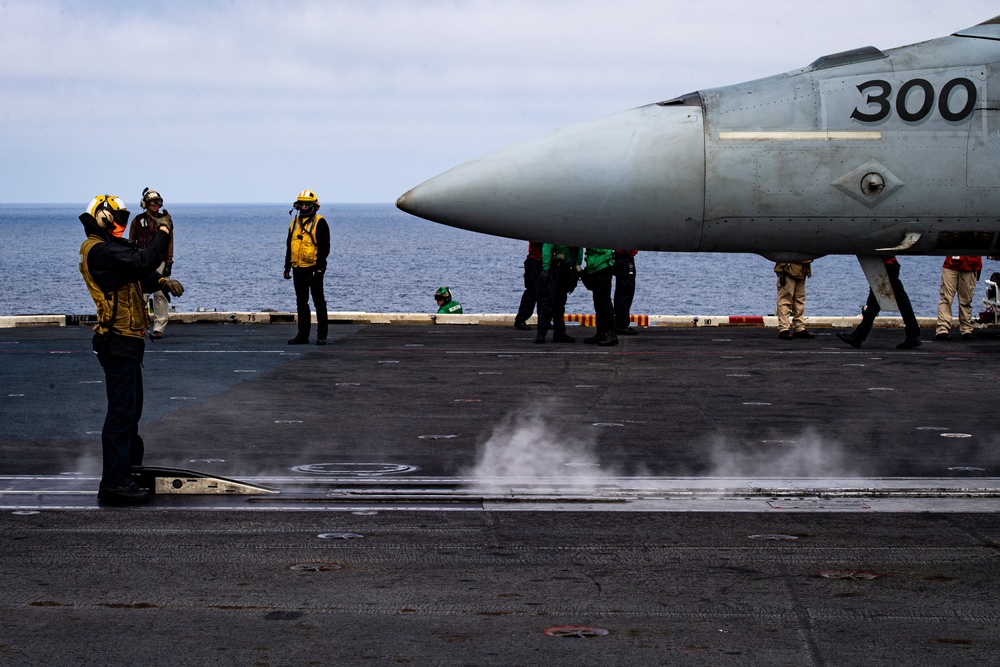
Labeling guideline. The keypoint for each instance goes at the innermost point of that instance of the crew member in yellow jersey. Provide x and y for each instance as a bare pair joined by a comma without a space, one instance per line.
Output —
118,275
306,250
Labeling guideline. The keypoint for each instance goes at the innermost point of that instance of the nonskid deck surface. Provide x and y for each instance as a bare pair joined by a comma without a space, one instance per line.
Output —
668,409
462,496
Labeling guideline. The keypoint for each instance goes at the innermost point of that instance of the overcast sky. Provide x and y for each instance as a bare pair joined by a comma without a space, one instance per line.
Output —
242,101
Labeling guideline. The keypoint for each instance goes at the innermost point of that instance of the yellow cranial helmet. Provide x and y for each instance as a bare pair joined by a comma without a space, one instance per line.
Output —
109,211
306,200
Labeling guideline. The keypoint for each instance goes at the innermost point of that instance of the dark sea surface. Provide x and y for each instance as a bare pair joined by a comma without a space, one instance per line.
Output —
230,257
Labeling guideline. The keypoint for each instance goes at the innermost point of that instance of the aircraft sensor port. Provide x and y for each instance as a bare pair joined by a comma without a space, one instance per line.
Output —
872,184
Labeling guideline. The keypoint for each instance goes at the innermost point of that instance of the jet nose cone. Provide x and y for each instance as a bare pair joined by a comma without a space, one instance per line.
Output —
405,202
630,180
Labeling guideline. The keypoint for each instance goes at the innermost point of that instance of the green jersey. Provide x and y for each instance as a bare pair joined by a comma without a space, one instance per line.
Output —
450,308
551,252
599,258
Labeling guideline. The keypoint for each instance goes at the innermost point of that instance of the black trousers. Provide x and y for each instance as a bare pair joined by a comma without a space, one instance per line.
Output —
552,307
604,308
532,289
624,270
308,280
121,444
872,308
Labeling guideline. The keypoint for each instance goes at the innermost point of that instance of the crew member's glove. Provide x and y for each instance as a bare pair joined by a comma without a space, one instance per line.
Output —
288,274
166,269
165,221
171,286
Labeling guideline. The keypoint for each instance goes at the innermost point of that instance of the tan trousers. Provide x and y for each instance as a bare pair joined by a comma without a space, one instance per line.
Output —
791,299
963,282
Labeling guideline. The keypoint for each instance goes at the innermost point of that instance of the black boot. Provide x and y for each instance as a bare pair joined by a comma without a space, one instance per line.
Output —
122,495
850,339
609,340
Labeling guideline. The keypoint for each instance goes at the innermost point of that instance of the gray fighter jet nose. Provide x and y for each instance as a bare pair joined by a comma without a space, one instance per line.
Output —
634,180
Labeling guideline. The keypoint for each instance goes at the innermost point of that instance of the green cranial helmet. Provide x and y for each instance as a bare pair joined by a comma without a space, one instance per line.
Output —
442,293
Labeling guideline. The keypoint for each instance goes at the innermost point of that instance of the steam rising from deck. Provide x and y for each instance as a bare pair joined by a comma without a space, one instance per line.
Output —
807,454
531,448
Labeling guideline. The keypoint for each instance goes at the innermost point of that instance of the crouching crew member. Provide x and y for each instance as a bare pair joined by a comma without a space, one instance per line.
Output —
446,304
118,275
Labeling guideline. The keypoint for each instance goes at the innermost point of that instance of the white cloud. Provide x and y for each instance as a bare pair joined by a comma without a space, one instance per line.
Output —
241,101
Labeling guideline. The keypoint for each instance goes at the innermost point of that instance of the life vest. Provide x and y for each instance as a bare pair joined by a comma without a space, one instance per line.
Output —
122,311
304,250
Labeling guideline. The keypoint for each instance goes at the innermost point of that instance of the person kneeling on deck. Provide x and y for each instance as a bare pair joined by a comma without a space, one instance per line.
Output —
118,275
446,305
306,250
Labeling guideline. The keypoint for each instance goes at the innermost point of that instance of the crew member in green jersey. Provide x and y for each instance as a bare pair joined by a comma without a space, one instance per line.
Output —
446,304
600,270
559,278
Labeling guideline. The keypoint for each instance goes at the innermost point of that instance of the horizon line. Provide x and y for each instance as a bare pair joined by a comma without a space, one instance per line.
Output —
202,203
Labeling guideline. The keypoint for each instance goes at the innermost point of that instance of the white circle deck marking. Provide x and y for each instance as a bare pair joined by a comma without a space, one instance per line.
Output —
355,469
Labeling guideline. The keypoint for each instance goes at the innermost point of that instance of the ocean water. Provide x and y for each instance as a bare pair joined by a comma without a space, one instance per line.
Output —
230,257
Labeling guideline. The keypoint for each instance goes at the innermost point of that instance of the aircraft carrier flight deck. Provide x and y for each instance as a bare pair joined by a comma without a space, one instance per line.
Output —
431,494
